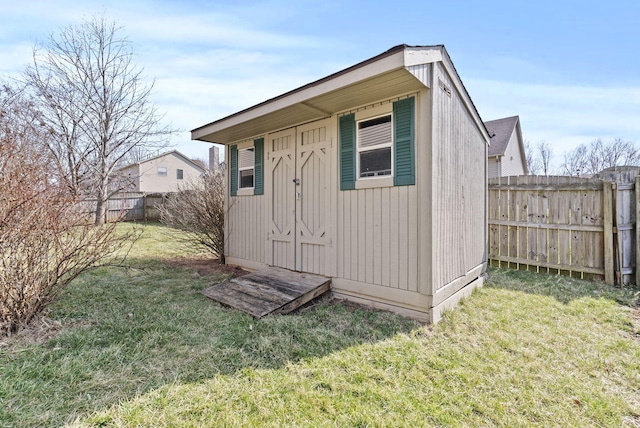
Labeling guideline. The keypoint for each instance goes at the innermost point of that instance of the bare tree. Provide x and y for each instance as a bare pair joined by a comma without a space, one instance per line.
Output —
599,155
575,162
198,210
96,104
45,239
545,154
533,161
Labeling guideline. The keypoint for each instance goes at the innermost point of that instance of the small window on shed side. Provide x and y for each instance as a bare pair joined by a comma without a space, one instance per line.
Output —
162,171
246,162
180,174
375,139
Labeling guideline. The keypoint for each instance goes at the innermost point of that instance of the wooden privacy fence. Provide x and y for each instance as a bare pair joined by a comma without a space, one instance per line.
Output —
130,206
578,226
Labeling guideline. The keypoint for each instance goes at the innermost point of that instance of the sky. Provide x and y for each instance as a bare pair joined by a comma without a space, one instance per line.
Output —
569,69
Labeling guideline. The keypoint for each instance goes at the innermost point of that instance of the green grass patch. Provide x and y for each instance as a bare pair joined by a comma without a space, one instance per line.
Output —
142,347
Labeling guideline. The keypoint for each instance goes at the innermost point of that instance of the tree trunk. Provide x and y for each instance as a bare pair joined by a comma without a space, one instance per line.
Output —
101,211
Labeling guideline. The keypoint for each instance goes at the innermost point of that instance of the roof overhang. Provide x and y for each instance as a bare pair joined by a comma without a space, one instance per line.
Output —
384,76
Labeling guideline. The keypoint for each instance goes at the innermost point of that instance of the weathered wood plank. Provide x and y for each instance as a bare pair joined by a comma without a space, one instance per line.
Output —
269,291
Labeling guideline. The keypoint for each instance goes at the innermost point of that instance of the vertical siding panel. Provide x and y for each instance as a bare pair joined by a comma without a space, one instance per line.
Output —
403,254
413,238
354,256
385,225
377,237
362,232
394,246
370,232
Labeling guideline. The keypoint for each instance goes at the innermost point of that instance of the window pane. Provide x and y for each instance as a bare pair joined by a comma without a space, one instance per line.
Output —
180,174
245,158
162,171
246,178
375,162
375,131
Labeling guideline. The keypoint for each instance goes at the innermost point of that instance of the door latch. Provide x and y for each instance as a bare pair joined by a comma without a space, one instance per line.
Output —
296,181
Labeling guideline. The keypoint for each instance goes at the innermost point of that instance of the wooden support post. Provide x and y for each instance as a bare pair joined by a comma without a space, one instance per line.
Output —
144,206
609,254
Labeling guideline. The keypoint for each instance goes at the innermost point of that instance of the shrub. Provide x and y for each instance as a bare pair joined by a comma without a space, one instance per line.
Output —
45,239
198,211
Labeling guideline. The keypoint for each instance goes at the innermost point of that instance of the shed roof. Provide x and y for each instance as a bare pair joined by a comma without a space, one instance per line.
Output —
501,131
383,76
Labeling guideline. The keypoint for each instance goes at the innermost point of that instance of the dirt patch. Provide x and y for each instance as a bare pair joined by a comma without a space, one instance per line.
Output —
205,266
38,331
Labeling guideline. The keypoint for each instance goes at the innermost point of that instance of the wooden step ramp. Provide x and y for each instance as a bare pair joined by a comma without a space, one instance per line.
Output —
269,291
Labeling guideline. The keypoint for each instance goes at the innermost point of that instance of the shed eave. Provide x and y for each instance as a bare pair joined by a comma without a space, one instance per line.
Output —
386,76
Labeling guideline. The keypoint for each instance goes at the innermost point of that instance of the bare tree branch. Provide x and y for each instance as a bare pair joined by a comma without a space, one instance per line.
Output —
96,103
198,211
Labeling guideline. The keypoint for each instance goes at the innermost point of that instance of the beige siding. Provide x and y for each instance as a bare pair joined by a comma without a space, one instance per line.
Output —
512,161
494,167
459,186
150,181
246,228
376,239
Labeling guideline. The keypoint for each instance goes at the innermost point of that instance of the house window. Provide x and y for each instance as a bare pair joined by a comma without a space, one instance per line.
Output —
162,171
246,162
180,174
375,140
381,145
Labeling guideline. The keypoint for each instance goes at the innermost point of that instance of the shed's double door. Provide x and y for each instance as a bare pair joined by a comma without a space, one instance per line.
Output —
299,180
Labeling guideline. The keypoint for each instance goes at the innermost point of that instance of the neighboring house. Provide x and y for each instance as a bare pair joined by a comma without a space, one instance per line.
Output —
506,153
159,174
374,176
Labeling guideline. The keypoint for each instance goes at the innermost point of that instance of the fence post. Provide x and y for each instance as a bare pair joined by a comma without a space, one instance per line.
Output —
144,206
607,200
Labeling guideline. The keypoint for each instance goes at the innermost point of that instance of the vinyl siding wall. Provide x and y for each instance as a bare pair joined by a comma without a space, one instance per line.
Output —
150,181
512,160
458,188
376,236
246,228
494,167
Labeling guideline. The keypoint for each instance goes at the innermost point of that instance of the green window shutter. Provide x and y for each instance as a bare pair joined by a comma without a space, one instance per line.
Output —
258,174
348,152
233,171
404,145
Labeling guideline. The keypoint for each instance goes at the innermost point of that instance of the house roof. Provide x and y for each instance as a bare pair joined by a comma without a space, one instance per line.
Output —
149,159
501,131
388,74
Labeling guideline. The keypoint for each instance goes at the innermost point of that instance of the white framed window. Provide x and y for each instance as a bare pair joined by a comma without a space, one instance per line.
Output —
180,174
374,147
162,171
246,166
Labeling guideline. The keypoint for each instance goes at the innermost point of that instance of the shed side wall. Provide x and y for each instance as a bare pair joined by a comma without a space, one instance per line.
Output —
459,188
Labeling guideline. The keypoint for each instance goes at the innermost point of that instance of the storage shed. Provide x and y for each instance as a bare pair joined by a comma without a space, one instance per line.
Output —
374,176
